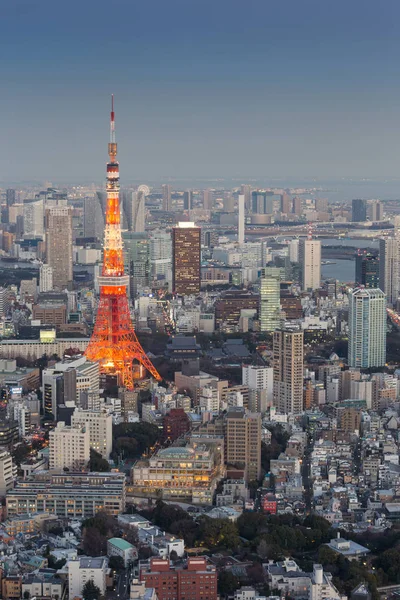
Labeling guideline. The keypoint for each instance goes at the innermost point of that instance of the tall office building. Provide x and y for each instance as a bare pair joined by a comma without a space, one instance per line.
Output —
297,206
207,199
294,250
367,270
243,441
374,210
93,217
138,208
59,245
241,223
69,447
358,210
99,424
33,218
389,260
188,200
136,260
167,197
310,261
161,256
5,301
367,328
45,278
286,204
8,472
10,197
186,259
245,190
269,312
288,351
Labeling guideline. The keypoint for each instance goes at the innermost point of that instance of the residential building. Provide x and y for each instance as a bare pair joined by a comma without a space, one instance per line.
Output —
207,199
367,328
99,425
241,218
175,424
72,495
197,580
93,216
138,209
84,569
389,261
186,259
5,302
269,311
69,447
59,245
310,261
288,351
45,278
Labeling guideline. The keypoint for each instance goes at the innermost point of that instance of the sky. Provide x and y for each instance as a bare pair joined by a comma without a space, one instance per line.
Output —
203,88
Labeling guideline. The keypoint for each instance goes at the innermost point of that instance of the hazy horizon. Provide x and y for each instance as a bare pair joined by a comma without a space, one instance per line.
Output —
204,90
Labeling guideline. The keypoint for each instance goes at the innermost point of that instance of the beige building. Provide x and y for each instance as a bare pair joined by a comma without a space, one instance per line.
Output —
288,350
59,245
310,261
69,447
8,472
243,441
99,424
188,473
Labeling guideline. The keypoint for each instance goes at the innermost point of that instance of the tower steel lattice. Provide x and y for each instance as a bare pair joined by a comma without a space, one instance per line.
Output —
114,343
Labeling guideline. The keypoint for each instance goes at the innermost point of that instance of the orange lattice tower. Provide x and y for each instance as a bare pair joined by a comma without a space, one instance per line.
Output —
114,343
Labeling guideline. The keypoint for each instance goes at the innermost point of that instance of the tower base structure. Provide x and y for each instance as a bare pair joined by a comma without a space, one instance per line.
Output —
114,344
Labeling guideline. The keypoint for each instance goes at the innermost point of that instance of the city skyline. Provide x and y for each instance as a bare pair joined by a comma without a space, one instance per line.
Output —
193,82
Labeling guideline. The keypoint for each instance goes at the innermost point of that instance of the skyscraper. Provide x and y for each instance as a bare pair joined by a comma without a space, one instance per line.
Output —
167,197
188,200
207,199
296,207
288,351
270,299
310,261
93,218
161,256
245,190
34,218
243,441
186,257
358,210
367,270
367,328
286,204
389,268
241,223
374,210
59,245
138,208
10,197
136,260
262,203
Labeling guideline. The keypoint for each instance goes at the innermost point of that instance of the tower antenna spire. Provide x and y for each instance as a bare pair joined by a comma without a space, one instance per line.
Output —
112,121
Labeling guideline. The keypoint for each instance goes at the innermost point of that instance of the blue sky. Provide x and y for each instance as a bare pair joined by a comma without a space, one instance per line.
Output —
204,88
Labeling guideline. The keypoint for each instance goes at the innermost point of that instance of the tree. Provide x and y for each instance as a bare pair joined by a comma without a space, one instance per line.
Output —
116,563
90,591
227,583
26,595
173,556
98,463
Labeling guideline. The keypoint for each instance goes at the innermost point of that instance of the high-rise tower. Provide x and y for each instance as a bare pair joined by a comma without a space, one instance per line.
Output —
114,343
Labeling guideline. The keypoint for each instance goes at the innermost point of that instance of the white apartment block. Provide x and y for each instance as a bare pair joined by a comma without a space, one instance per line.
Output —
69,447
46,278
99,424
84,569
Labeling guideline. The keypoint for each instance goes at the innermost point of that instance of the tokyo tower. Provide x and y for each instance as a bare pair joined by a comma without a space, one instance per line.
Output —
114,343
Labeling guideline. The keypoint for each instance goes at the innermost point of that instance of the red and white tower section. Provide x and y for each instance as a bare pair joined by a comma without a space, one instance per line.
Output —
114,343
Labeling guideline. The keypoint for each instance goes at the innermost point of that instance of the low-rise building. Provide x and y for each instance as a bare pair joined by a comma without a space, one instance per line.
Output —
85,569
122,548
